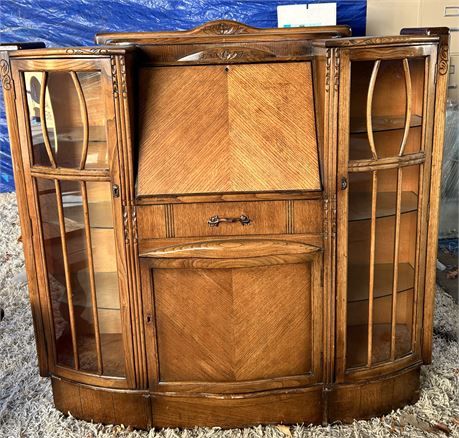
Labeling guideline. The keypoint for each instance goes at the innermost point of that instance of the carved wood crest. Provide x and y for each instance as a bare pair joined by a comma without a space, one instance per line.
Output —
228,54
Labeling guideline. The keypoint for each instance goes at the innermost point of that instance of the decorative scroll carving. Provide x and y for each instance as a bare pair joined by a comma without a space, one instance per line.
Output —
123,76
93,51
117,86
336,74
114,77
228,54
125,224
134,224
224,28
6,74
364,41
443,61
327,73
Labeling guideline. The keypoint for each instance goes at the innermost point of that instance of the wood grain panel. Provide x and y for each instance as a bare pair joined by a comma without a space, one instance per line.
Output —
290,407
307,217
258,133
252,332
102,405
151,221
266,217
373,398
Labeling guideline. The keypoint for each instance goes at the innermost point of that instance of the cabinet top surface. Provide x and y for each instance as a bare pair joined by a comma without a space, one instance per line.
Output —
227,32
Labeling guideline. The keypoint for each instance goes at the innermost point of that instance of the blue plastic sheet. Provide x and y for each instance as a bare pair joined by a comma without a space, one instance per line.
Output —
75,22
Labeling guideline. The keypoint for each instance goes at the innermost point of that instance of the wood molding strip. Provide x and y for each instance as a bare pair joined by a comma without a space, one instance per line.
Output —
386,163
68,282
396,258
229,249
44,127
227,263
371,89
406,71
92,281
70,174
371,285
84,118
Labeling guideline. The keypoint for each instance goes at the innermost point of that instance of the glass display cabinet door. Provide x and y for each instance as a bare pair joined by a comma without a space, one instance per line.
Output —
71,163
382,208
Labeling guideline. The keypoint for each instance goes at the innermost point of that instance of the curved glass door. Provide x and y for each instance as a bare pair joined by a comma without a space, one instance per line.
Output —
67,114
67,119
385,169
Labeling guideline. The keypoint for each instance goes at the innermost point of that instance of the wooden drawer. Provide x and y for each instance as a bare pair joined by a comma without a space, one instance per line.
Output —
266,217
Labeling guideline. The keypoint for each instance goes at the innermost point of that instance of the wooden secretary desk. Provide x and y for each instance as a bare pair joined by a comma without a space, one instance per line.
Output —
229,225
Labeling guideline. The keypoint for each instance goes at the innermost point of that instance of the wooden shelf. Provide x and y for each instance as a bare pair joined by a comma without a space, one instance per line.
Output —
383,123
360,204
357,343
358,279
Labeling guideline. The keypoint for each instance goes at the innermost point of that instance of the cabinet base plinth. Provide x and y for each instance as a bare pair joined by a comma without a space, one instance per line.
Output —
373,398
143,410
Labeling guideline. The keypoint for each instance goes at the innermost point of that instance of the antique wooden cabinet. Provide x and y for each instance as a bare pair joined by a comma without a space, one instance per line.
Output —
229,225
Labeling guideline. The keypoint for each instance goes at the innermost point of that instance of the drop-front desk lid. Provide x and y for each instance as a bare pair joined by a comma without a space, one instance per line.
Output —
227,128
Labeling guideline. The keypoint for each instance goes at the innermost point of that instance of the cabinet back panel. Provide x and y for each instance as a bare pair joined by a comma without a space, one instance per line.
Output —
237,128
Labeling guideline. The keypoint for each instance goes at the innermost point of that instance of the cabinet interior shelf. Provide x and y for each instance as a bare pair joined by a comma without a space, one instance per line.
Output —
359,275
383,123
360,204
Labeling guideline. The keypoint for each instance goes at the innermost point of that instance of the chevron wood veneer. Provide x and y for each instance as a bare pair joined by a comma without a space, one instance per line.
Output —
258,132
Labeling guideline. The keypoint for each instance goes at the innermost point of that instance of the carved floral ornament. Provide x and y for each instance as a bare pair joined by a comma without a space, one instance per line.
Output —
93,51
228,54
443,62
224,28
6,75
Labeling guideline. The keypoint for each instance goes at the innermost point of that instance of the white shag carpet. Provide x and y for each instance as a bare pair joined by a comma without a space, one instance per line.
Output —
26,407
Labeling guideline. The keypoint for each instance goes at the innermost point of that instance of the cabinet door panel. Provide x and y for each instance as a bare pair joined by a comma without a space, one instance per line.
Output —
225,325
258,133
67,120
384,149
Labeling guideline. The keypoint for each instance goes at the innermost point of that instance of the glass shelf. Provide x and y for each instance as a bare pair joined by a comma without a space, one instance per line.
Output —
358,279
383,123
360,204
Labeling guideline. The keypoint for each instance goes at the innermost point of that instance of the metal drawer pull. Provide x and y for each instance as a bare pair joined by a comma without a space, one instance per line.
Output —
214,221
